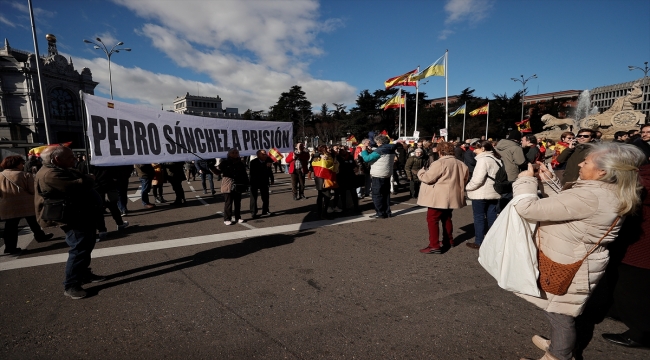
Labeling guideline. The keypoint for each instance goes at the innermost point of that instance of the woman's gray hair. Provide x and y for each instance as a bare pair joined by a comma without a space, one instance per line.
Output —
621,164
382,139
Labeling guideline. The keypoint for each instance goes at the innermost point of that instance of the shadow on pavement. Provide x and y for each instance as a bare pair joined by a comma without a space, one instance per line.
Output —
232,251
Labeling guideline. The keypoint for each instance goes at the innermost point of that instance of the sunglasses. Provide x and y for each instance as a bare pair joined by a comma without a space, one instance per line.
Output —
583,136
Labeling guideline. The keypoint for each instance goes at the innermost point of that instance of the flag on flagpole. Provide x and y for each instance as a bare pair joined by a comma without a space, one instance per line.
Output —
352,140
402,80
275,155
396,101
460,110
480,111
38,150
524,126
435,69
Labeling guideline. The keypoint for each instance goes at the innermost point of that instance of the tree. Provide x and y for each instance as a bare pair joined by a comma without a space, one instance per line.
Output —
292,106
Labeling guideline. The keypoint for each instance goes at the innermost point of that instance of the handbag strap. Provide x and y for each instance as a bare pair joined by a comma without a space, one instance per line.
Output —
595,246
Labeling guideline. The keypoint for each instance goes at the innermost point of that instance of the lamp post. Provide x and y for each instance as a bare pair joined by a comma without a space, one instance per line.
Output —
108,53
645,75
523,90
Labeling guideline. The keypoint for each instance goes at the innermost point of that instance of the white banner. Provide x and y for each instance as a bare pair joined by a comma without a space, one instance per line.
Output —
126,134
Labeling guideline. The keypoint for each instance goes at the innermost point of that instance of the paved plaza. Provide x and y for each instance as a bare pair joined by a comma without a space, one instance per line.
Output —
182,285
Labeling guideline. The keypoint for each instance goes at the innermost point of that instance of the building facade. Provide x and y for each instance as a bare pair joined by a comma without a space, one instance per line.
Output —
204,106
21,112
603,97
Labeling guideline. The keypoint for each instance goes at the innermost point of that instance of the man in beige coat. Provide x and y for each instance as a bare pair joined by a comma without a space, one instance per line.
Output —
442,190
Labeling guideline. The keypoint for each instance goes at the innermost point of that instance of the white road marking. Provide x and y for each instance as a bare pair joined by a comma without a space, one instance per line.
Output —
202,201
19,263
25,236
248,226
136,196
192,188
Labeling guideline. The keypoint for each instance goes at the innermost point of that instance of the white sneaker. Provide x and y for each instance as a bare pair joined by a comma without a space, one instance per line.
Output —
124,225
330,210
336,209
228,222
241,221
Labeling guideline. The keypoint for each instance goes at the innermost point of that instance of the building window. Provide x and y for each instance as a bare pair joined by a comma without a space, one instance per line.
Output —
61,105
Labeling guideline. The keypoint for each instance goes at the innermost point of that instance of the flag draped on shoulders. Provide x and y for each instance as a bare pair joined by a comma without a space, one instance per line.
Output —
480,111
460,110
402,80
559,147
38,150
435,69
325,168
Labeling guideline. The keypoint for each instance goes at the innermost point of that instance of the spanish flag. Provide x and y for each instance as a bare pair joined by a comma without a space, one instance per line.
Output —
352,140
435,69
395,102
559,147
38,150
275,155
402,80
480,111
325,169
524,126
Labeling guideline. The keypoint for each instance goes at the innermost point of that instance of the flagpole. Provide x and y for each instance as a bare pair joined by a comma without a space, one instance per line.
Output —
40,78
446,96
405,115
399,110
417,91
464,117
487,121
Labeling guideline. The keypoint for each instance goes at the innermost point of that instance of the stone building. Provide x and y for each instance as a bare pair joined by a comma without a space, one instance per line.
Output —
204,106
604,96
21,113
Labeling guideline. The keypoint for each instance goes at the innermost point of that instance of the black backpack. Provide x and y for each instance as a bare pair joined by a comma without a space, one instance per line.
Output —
501,184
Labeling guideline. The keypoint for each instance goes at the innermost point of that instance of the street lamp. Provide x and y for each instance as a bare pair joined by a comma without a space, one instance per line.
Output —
108,56
645,75
523,90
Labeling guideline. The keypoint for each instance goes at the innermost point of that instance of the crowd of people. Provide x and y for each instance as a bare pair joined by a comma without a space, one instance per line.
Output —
588,195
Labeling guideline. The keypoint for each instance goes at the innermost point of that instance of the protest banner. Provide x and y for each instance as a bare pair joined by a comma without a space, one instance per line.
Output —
126,134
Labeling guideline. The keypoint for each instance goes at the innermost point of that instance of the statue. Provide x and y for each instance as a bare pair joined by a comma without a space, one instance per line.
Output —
621,116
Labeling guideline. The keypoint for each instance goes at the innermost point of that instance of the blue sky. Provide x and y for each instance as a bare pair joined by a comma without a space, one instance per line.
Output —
248,52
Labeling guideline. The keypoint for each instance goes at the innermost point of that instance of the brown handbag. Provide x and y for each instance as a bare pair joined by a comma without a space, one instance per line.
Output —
555,278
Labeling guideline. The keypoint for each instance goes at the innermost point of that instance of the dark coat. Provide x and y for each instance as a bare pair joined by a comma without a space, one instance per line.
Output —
413,165
174,171
145,171
572,157
261,173
469,158
233,172
53,182
104,178
643,146
346,176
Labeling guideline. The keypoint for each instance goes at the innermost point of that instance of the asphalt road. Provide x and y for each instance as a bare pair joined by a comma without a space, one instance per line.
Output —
182,285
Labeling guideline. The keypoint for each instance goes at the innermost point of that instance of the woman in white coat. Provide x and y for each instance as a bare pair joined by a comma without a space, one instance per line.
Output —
572,223
480,189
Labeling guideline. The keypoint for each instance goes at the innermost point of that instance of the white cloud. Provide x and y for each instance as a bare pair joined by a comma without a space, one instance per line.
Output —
471,11
5,21
252,50
38,12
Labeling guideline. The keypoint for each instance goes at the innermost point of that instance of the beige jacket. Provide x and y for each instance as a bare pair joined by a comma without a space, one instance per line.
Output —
571,223
481,187
443,185
16,194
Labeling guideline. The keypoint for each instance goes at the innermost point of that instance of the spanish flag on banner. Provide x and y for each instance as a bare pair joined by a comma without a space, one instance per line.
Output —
524,126
326,169
402,80
275,155
480,111
38,150
395,102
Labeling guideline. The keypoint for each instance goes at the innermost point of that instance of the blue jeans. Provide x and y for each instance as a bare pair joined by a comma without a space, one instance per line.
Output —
144,193
82,243
381,196
485,213
209,176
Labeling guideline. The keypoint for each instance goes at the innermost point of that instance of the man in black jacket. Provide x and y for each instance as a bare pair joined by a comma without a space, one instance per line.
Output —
261,175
